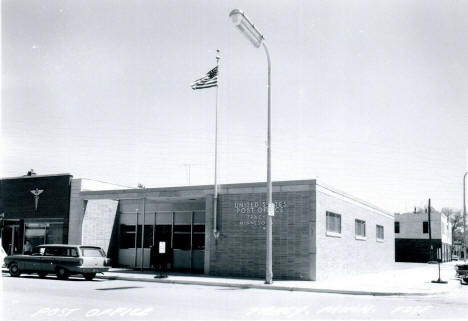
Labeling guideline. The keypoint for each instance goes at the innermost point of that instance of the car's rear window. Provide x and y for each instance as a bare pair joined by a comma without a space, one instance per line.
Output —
92,252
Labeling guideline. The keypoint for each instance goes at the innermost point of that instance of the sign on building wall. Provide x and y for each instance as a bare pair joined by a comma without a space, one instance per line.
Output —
254,213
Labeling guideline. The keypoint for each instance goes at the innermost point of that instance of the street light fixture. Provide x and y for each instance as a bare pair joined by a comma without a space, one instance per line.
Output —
241,21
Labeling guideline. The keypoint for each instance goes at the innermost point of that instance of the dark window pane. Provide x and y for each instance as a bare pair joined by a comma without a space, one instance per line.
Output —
148,236
53,251
182,241
163,233
397,227
182,228
73,252
199,228
139,236
198,241
425,227
127,236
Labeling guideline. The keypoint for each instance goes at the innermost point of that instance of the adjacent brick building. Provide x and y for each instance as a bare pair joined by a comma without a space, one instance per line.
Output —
318,231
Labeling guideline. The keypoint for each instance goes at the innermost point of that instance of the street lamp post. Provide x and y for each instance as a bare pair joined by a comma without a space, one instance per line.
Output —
464,217
243,23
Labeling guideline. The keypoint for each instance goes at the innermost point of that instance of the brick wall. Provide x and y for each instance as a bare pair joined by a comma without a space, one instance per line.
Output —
240,250
76,212
98,223
344,254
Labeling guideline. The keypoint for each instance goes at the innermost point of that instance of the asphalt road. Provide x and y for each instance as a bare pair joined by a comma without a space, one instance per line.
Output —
31,298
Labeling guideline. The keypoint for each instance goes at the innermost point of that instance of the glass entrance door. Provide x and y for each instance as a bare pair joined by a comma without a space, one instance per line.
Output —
11,239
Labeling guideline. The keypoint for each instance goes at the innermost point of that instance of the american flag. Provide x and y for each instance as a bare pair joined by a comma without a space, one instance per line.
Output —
207,81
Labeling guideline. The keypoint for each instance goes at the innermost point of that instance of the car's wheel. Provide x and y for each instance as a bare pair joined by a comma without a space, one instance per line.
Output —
14,270
42,274
62,273
89,276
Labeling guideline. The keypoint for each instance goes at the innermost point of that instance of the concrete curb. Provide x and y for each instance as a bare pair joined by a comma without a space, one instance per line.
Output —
268,287
264,287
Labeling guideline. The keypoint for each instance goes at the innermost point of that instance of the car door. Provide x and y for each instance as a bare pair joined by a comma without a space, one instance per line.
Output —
35,259
48,259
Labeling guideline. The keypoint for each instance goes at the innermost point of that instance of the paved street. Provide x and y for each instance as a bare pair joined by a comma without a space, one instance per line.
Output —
31,298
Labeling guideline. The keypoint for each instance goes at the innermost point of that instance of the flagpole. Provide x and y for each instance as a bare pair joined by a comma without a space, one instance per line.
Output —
215,193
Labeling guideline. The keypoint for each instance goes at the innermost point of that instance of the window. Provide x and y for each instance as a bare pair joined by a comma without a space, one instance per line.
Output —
397,227
60,251
182,241
182,234
360,228
148,241
425,227
127,236
198,237
333,223
92,252
52,251
379,232
43,233
148,236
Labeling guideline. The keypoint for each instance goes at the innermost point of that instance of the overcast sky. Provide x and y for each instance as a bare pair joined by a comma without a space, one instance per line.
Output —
368,96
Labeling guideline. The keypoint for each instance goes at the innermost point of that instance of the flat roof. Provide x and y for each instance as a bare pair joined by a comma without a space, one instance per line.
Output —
36,176
222,187
201,187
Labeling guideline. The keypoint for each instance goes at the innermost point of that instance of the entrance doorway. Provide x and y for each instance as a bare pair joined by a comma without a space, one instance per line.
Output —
12,237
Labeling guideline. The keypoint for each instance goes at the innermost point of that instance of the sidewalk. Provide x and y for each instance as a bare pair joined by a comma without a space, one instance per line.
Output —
404,279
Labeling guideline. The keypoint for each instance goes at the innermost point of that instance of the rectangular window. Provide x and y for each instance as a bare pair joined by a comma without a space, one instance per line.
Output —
360,228
127,236
182,241
198,241
148,238
333,223
92,252
380,232
198,237
43,233
148,241
397,227
425,227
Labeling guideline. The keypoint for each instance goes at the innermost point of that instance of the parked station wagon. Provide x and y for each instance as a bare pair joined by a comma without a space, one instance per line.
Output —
60,259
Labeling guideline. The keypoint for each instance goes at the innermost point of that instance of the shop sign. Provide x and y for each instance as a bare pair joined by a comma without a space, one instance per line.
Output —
36,194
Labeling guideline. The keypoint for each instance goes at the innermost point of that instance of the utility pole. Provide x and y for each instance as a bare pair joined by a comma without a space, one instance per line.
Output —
429,227
464,217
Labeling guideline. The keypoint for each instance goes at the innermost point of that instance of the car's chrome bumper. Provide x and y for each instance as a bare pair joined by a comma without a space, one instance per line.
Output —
89,269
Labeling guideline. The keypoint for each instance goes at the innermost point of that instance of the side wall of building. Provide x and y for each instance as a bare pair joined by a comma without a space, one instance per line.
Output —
344,254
